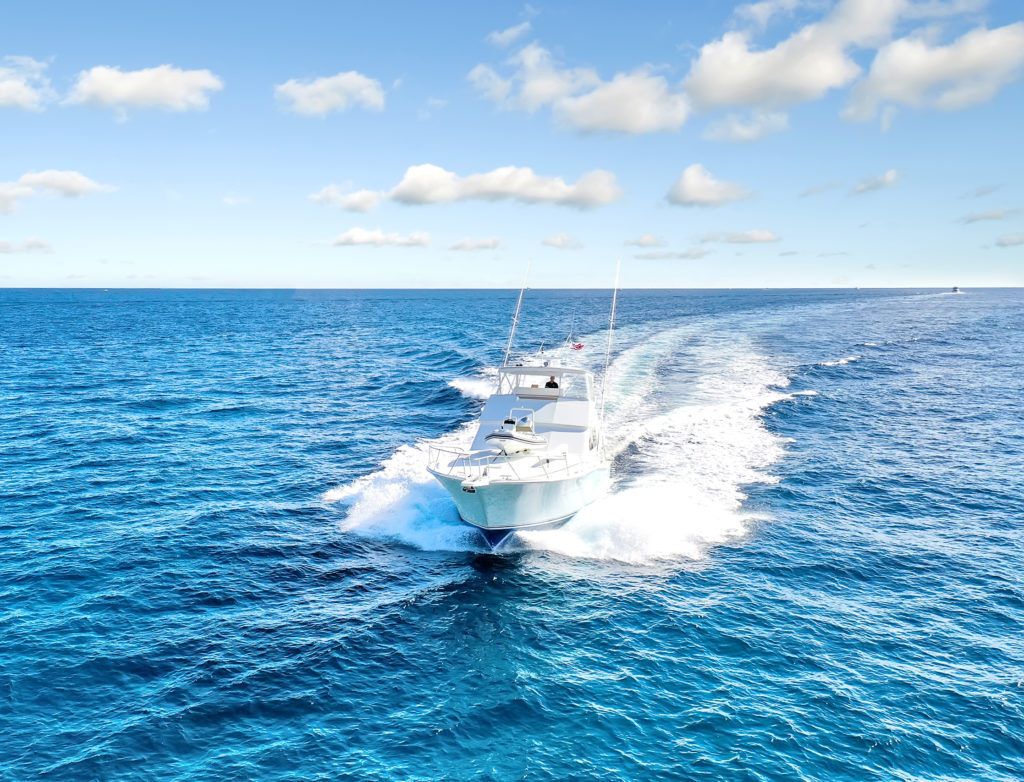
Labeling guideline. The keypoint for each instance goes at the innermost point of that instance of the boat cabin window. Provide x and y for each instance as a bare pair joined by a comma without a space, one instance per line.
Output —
535,382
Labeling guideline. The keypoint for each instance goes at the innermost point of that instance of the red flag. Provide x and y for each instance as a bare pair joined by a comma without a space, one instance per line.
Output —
577,346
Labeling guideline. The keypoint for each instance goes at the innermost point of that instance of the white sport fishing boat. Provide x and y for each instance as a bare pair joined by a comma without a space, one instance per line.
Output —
535,460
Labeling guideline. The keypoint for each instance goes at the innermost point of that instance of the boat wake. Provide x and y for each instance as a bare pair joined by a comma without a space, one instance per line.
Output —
842,361
686,430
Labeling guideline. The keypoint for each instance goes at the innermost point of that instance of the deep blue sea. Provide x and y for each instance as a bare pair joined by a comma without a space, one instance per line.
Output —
221,557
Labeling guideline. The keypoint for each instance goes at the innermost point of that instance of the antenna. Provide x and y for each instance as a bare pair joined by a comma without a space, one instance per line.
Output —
608,350
515,318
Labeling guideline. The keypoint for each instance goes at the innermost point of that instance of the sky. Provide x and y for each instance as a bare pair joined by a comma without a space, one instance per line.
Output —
781,143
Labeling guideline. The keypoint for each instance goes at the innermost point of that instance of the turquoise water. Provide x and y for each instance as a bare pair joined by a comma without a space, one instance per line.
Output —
222,558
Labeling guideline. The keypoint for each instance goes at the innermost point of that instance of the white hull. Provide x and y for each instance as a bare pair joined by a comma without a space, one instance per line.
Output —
516,505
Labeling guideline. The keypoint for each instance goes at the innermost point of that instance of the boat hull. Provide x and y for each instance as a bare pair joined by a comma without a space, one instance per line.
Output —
497,509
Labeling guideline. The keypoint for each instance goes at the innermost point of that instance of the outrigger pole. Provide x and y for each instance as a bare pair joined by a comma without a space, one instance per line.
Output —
515,318
608,350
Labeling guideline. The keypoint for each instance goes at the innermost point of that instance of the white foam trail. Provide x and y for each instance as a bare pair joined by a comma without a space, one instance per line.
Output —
690,466
402,501
687,443
840,362
479,387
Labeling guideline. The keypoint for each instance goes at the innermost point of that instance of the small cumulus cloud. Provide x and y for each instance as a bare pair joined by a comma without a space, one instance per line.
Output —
696,187
647,240
28,246
741,237
66,183
430,184
870,184
468,244
636,102
735,128
562,241
640,101
163,87
509,35
357,201
23,84
10,193
319,97
994,214
71,184
377,238
1010,240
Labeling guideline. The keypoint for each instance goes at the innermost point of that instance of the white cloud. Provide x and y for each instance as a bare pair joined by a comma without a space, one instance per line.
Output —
541,82
28,246
23,84
377,238
647,240
803,67
358,201
636,102
692,253
912,72
509,35
65,183
995,214
562,241
742,237
164,87
10,192
476,244
318,97
430,184
1010,240
735,128
639,102
696,187
489,84
886,180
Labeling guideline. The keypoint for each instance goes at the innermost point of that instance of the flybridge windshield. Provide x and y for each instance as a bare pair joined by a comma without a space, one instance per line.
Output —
536,382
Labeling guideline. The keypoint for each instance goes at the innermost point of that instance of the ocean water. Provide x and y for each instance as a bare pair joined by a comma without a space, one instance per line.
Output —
221,558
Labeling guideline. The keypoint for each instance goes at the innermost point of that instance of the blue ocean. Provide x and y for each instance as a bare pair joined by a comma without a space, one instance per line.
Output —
222,557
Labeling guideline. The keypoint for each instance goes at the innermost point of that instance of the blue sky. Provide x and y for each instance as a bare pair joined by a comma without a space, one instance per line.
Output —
718,144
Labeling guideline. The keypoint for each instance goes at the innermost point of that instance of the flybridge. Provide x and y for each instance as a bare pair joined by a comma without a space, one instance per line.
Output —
531,382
